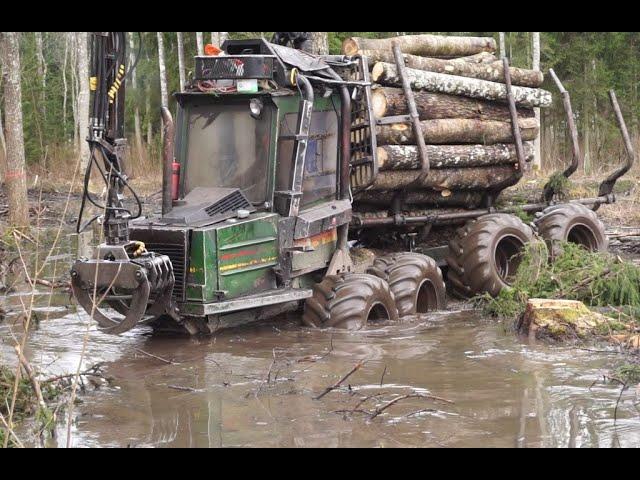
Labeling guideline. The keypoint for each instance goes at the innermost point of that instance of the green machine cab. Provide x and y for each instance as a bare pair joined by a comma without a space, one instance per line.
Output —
260,208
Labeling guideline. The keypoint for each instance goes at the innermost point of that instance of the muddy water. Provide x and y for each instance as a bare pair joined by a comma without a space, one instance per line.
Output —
255,386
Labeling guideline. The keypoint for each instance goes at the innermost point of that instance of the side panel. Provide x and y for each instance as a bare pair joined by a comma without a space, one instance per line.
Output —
247,253
202,281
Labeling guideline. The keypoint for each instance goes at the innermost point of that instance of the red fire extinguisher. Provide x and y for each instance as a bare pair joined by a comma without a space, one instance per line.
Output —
175,181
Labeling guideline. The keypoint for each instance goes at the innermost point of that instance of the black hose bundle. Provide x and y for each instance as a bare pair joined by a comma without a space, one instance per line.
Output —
108,77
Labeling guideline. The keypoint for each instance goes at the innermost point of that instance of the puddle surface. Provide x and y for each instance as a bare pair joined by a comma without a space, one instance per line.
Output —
255,386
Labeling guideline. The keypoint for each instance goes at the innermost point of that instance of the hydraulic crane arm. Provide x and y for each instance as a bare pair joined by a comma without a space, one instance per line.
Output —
106,135
135,283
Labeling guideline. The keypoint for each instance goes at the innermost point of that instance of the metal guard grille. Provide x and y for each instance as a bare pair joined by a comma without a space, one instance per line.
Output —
176,254
234,67
229,205
173,243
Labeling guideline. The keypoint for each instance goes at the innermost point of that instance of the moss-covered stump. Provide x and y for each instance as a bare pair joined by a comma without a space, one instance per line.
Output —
560,320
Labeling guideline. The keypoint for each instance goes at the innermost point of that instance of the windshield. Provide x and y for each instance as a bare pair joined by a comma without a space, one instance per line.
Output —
227,147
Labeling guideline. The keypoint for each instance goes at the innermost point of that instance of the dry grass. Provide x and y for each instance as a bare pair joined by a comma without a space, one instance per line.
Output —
144,169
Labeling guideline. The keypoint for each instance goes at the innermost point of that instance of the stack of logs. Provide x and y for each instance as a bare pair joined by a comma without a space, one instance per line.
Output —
459,89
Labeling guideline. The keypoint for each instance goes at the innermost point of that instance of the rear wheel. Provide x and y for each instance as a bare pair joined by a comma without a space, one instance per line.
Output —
485,254
349,301
415,281
573,223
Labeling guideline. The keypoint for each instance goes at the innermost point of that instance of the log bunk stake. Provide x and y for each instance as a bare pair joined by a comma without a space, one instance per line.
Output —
413,114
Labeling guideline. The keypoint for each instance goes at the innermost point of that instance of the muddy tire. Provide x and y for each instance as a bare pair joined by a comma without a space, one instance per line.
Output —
415,281
349,301
571,222
484,254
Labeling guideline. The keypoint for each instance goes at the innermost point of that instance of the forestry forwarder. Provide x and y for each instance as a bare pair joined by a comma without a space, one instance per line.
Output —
259,178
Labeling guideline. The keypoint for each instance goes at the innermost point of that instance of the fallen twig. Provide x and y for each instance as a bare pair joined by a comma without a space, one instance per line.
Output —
32,377
181,388
384,372
54,285
405,397
615,411
169,362
342,380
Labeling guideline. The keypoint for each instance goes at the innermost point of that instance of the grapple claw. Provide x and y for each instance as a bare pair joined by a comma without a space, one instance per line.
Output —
138,289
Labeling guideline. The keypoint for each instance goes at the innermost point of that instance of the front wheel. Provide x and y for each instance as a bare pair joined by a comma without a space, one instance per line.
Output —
349,301
415,280
485,254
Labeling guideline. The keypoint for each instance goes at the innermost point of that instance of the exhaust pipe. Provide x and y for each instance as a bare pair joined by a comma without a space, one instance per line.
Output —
167,161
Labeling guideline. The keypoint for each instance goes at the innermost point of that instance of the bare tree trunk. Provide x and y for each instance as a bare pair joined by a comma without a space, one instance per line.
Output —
42,71
387,102
493,71
73,61
503,49
535,65
164,95
15,179
218,38
405,157
136,110
422,45
319,43
457,130
82,39
387,74
472,178
200,43
3,142
181,72
147,113
64,83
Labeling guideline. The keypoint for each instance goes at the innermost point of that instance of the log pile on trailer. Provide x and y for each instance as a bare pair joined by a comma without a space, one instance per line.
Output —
464,123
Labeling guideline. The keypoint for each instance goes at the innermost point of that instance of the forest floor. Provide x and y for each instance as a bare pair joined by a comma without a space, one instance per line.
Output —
48,197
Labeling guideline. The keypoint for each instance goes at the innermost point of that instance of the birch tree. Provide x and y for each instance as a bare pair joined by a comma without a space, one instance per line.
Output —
134,86
42,71
181,72
502,43
3,143
319,43
535,65
82,40
15,177
164,95
200,43
218,38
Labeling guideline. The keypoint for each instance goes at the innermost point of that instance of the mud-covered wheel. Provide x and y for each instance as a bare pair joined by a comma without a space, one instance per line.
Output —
415,281
349,301
574,223
485,254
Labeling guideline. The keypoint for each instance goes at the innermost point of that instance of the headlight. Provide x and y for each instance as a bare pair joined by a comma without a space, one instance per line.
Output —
255,107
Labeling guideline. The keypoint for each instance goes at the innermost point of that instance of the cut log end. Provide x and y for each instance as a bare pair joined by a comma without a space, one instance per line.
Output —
377,71
379,103
383,157
350,46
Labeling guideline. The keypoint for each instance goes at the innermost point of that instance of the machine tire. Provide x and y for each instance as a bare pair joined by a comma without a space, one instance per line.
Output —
415,281
481,254
571,222
349,301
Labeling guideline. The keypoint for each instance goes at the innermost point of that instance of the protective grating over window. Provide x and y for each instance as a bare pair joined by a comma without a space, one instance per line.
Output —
230,67
230,204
